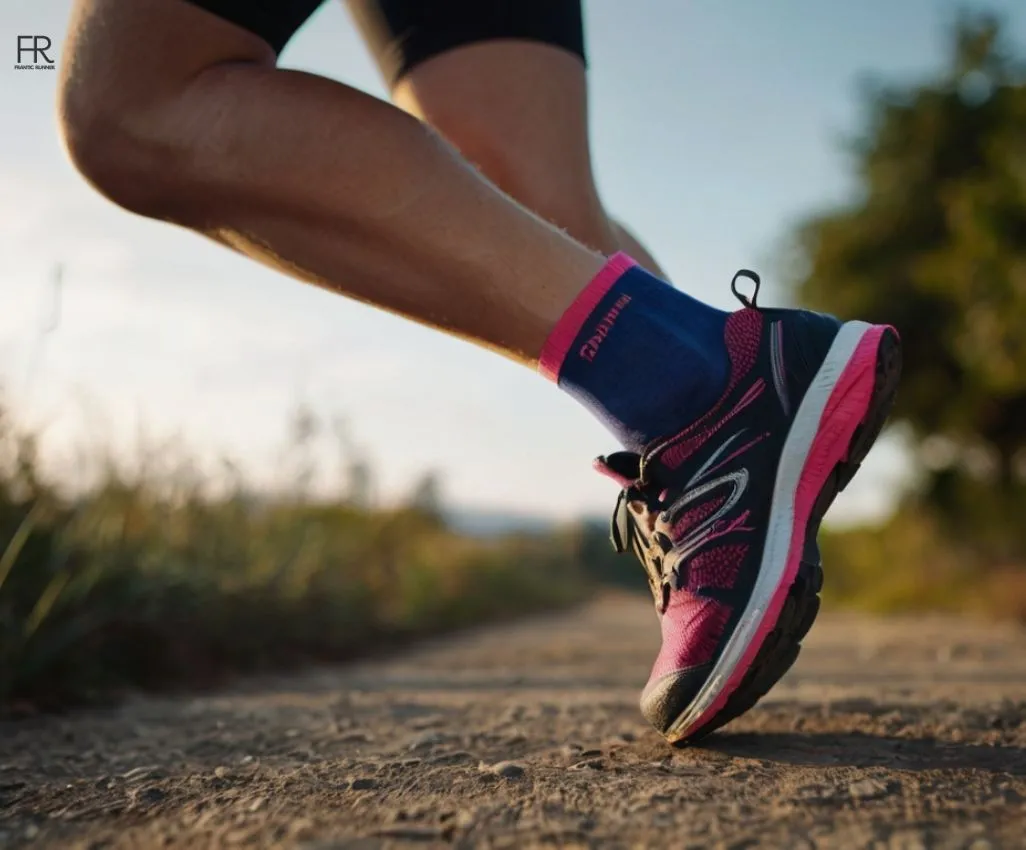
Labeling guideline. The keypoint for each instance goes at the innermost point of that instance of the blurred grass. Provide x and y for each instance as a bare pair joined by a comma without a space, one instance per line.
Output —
149,581
916,562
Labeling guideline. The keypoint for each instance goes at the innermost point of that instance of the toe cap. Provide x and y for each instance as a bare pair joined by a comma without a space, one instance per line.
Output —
667,698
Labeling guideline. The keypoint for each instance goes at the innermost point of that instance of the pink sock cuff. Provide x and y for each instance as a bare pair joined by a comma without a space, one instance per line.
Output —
557,346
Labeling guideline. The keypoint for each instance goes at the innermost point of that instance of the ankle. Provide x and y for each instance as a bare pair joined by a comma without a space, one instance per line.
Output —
645,357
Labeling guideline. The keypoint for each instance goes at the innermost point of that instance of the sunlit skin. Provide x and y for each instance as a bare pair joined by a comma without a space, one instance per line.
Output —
193,124
519,111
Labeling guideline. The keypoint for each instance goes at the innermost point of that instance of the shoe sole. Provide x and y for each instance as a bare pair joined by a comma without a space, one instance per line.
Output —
785,602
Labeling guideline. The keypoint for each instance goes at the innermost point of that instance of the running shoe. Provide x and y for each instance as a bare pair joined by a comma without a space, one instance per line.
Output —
724,514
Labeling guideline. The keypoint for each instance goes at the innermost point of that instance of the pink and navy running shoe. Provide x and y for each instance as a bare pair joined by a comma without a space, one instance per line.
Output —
724,514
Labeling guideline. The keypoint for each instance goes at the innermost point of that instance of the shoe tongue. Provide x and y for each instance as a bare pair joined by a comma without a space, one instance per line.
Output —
623,467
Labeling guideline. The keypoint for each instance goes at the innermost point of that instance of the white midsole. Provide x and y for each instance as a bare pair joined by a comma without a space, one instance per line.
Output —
781,518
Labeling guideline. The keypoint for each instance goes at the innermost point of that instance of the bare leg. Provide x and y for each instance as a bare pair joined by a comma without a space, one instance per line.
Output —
519,111
179,115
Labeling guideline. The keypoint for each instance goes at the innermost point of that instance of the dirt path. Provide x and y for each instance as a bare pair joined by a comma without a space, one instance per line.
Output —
893,734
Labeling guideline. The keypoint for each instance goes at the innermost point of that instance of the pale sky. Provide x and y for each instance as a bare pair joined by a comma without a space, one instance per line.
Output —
716,125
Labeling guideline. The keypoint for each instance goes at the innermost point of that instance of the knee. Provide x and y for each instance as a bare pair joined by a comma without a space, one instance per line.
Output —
112,146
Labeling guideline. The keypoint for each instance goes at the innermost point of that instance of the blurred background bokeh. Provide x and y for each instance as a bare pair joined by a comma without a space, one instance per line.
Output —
207,469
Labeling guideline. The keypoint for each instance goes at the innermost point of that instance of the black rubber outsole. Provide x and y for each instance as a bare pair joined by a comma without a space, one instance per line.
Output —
781,646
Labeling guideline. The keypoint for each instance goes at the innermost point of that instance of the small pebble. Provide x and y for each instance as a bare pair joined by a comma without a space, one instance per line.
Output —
513,714
818,793
868,789
507,769
137,773
301,830
150,795
428,739
465,819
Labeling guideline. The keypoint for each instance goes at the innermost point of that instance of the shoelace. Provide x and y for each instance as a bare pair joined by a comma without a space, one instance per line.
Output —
628,532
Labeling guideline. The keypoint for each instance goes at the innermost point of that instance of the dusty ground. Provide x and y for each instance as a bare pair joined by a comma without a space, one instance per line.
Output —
893,734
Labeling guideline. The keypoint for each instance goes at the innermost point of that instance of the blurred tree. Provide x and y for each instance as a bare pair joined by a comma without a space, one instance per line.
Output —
935,243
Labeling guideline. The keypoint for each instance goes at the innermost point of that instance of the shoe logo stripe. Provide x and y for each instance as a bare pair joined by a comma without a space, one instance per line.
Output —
709,527
777,365
704,469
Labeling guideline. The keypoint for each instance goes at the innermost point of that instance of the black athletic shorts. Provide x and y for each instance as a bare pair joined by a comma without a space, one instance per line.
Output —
403,33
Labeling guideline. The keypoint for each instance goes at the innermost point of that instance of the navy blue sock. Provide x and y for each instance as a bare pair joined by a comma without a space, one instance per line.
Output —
646,358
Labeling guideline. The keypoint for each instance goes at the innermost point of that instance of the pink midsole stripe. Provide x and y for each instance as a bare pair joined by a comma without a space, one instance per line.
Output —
846,408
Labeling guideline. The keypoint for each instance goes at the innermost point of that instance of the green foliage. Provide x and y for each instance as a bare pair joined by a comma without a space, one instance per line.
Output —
148,581
913,562
936,245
